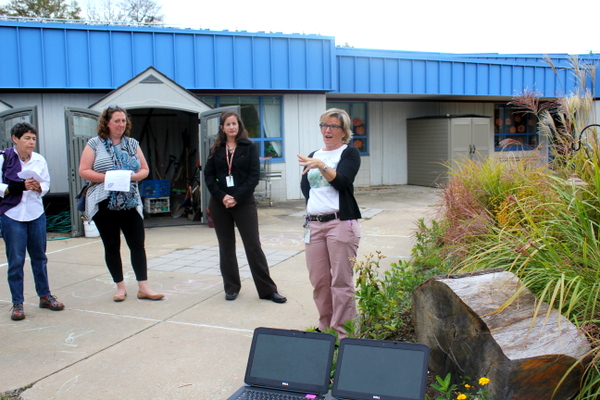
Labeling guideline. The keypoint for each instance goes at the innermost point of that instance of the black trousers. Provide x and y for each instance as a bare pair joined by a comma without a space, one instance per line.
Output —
110,224
245,216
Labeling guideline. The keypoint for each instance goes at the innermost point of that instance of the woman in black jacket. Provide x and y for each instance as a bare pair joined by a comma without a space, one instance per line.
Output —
231,174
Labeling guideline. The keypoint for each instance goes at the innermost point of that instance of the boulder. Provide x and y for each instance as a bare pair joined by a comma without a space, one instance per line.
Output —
462,319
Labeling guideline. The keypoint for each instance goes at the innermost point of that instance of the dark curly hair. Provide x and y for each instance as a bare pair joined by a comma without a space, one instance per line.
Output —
105,118
22,128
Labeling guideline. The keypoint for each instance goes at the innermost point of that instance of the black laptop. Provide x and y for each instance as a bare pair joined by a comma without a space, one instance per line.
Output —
287,362
380,370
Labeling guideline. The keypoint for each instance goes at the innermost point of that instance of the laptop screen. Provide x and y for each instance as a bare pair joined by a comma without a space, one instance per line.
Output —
383,370
290,360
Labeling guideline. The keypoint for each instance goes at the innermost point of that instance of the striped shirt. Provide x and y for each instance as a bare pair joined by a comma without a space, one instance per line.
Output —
103,163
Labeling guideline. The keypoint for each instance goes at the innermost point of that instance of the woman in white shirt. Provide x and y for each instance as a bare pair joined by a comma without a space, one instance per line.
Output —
24,180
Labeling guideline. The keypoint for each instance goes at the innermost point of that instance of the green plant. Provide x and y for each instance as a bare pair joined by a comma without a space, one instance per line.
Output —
378,300
384,298
427,251
444,386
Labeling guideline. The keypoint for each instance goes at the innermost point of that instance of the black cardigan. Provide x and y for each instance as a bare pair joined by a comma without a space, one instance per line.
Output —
245,170
343,182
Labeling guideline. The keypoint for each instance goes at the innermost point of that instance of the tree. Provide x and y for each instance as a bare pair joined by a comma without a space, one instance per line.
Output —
50,9
136,12
143,12
105,11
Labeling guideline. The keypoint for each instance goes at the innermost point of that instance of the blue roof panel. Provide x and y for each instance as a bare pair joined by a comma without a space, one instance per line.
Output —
262,62
56,45
121,53
99,69
104,57
33,63
391,76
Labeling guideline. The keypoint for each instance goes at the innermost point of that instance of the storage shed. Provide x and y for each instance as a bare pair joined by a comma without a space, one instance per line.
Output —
434,142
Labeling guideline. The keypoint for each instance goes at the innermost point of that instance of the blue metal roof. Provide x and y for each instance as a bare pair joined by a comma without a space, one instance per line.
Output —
37,55
54,55
416,73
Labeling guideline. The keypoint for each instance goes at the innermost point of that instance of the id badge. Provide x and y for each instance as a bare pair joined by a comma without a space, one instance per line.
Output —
230,181
307,234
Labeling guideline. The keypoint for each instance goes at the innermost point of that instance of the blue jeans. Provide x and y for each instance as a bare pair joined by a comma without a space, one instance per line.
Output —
31,237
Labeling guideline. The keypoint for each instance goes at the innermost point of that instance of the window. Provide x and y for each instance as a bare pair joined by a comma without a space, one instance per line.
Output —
262,119
358,117
514,131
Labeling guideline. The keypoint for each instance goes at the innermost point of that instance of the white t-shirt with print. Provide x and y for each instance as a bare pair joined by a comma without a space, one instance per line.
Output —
324,198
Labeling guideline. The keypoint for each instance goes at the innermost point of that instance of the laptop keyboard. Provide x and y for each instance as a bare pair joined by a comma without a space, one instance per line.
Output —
258,395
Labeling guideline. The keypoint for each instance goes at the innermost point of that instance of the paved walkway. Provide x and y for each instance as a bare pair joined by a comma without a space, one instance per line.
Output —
193,344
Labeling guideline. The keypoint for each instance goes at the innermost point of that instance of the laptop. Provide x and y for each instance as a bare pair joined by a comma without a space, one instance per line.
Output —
288,362
380,370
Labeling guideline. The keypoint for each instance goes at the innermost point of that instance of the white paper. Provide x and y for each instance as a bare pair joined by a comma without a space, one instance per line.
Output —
30,174
118,180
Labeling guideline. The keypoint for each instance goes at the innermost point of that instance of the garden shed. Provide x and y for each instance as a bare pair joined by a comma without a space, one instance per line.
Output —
433,142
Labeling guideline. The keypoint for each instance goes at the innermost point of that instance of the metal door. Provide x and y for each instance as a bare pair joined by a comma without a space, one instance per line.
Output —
209,127
81,126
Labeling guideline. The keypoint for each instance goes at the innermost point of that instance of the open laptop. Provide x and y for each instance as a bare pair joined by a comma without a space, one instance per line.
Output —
289,362
381,370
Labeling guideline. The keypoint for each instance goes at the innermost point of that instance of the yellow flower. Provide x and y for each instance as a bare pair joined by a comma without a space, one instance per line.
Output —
461,397
467,386
483,381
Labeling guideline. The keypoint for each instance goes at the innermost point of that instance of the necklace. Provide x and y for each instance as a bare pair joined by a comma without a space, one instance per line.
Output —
24,158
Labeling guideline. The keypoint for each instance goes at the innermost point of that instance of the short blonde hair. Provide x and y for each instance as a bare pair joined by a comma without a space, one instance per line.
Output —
344,119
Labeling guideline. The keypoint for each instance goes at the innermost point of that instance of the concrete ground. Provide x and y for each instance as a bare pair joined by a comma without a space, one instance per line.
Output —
193,344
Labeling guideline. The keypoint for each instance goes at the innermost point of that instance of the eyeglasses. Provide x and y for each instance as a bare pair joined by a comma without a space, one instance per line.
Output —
332,127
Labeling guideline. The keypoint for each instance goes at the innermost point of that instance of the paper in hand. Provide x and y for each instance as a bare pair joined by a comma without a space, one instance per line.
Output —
30,174
118,180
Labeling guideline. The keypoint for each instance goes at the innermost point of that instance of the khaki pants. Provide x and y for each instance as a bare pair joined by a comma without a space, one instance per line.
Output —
331,246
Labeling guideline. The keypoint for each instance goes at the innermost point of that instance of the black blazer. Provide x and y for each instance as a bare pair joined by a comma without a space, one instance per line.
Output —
245,170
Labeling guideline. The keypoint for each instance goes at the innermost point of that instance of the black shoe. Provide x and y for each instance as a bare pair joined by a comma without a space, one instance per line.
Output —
275,297
230,296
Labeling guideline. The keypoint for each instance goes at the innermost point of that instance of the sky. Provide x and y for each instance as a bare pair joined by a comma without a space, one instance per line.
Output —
457,26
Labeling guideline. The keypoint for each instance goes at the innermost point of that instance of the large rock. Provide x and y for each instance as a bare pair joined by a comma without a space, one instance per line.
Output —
523,356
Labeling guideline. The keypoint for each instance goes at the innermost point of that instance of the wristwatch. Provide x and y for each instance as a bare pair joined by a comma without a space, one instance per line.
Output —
325,168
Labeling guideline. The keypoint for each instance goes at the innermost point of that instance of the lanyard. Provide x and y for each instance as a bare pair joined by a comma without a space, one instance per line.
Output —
229,155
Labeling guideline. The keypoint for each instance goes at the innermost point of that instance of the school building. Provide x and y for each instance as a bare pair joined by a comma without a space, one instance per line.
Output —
411,111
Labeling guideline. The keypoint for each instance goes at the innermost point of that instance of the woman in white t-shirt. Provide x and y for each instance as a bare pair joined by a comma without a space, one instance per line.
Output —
332,229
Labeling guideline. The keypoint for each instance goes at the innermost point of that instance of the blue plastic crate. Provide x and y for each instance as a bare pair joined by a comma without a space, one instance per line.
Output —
155,188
